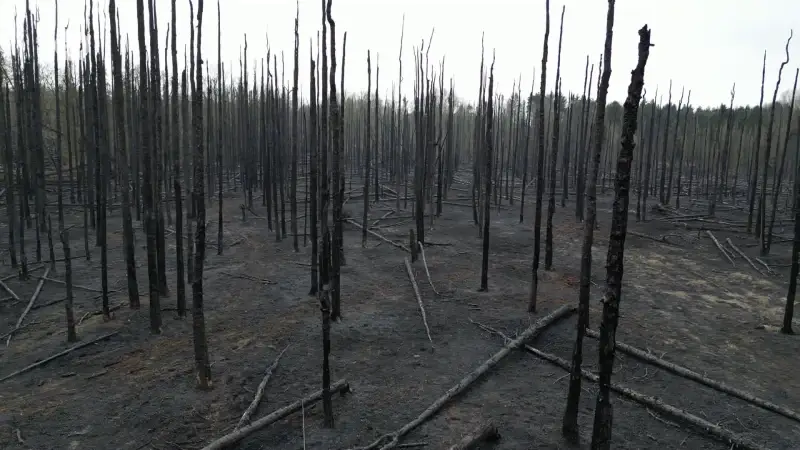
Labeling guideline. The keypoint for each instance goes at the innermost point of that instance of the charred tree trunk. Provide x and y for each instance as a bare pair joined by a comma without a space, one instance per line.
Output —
367,154
570,424
537,225
756,155
147,191
601,433
202,363
122,161
551,200
488,155
295,136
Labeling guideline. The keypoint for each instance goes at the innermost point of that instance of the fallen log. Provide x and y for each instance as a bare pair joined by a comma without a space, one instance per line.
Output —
8,289
694,376
486,432
75,286
57,355
391,440
662,239
21,327
419,298
715,431
741,253
719,246
769,269
260,391
388,241
340,386
425,263
382,217
28,308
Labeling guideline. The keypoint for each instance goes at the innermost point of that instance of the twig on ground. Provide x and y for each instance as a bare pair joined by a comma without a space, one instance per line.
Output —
260,391
419,298
28,308
57,355
340,386
389,441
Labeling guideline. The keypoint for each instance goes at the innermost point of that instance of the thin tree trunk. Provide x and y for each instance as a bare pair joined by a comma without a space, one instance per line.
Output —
601,433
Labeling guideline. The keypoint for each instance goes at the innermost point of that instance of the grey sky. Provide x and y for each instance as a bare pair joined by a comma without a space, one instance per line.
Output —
704,45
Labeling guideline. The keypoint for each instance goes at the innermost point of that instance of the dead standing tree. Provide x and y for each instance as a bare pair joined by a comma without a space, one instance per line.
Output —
324,292
570,424
761,222
537,225
551,198
121,148
176,174
335,138
147,193
795,269
202,363
367,154
295,139
488,156
601,433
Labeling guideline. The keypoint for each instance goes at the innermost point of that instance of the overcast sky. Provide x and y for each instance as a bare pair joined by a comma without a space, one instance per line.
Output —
702,45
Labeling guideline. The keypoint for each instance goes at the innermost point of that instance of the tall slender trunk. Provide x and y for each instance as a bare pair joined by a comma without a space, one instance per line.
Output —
601,433
537,225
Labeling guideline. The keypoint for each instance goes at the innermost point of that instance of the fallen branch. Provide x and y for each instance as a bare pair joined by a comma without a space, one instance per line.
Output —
694,376
662,239
715,431
76,286
400,246
440,244
419,298
260,391
382,217
722,250
425,263
236,436
769,269
58,355
248,277
14,330
486,432
8,289
746,258
391,440
28,308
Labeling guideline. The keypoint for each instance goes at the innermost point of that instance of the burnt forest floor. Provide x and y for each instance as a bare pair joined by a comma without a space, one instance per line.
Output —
683,302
